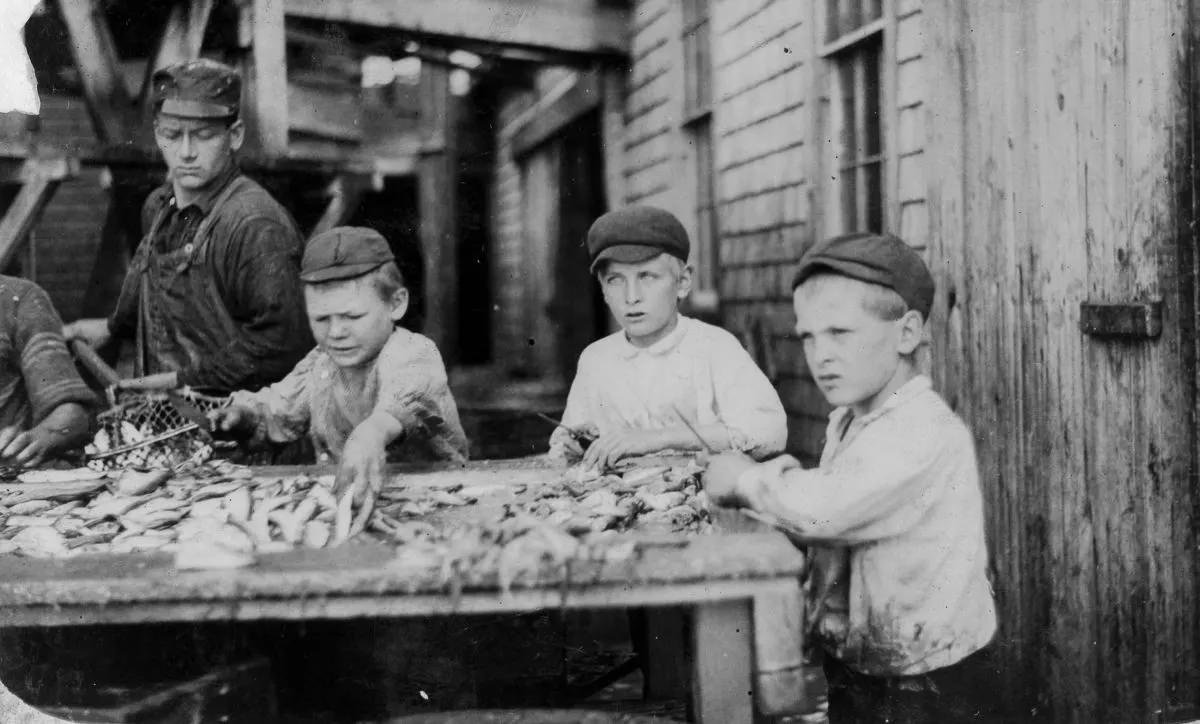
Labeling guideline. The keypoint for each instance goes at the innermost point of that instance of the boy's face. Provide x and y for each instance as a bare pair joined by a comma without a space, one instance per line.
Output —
644,296
350,320
854,355
196,150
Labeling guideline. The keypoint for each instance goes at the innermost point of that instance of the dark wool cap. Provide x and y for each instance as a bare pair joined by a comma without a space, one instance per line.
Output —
343,252
634,234
197,89
876,258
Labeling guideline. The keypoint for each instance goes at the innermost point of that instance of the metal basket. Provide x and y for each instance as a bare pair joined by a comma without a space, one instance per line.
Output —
144,430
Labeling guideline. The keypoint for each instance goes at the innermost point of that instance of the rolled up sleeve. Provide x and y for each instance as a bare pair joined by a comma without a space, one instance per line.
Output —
283,410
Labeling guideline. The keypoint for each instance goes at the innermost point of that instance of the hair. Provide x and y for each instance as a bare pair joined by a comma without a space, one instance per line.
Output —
883,302
385,279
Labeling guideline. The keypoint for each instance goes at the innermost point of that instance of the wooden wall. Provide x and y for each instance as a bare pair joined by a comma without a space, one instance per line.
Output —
1058,173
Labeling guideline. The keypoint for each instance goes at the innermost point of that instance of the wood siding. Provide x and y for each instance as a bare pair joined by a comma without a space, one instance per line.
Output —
1057,159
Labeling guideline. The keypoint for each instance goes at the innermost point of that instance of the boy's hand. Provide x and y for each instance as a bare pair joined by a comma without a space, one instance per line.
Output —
569,441
722,475
361,470
93,331
231,420
26,448
607,451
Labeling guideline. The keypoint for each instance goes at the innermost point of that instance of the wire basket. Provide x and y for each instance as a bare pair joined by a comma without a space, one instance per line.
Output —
144,430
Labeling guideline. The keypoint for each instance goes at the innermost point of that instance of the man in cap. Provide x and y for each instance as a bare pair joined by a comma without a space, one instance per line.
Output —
212,298
638,390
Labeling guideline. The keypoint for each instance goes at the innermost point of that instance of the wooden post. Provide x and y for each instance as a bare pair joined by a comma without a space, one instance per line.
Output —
778,652
40,179
721,683
612,133
345,193
436,178
262,35
181,40
109,102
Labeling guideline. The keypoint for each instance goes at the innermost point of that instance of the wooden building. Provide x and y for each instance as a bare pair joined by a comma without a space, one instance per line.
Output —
1041,155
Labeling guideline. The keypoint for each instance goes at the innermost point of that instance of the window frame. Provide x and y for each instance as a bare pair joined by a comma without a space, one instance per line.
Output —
697,130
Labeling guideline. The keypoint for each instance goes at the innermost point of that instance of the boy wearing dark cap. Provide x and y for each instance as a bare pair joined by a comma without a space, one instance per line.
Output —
370,391
903,604
212,298
632,387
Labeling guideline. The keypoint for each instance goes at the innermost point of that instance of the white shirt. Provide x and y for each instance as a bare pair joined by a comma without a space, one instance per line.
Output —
899,490
698,369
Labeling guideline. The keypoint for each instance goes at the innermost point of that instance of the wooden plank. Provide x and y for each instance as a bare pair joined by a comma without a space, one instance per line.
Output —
612,132
576,27
779,652
437,199
109,102
41,181
329,112
264,73
722,688
584,95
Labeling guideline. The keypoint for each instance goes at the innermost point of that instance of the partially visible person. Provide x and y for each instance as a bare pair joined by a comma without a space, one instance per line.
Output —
44,404
370,391
633,387
212,299
903,606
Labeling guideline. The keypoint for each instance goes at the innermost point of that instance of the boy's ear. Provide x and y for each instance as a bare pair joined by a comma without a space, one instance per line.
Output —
399,304
912,331
685,281
237,135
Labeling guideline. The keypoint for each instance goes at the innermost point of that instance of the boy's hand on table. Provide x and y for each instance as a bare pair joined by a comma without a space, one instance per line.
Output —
24,448
607,450
361,470
233,419
722,475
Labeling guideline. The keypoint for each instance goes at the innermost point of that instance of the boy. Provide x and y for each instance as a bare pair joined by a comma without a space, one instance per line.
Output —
43,401
369,387
632,387
904,606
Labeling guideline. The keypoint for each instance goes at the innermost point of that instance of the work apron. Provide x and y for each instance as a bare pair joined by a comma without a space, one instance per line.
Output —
182,316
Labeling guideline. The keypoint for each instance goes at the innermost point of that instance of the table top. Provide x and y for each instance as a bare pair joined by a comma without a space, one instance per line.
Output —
366,577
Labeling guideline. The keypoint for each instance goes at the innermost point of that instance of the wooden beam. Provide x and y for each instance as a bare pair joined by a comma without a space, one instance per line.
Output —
182,38
109,101
585,94
328,112
345,194
436,191
577,26
261,34
612,131
40,179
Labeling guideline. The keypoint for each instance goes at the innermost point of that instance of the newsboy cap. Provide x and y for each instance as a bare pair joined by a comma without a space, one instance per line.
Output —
197,89
343,252
634,234
882,259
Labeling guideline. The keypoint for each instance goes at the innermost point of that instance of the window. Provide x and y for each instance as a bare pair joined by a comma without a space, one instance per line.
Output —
853,51
697,105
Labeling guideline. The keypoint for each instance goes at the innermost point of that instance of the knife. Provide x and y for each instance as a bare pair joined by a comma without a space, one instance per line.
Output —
583,438
190,412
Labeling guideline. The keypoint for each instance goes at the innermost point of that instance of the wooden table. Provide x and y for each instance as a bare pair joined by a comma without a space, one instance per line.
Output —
742,587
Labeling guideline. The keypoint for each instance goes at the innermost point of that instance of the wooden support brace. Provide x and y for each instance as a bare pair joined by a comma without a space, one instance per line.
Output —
264,73
345,193
438,202
181,40
778,652
109,102
40,179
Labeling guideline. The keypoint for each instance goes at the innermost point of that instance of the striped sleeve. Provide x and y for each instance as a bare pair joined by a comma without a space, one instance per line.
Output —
50,375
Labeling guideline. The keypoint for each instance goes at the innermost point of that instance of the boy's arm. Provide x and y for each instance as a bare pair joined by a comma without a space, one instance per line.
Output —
279,412
577,415
65,427
876,492
414,390
749,408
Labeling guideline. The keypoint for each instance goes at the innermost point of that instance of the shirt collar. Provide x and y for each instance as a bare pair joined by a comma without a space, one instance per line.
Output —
659,348
205,201
907,391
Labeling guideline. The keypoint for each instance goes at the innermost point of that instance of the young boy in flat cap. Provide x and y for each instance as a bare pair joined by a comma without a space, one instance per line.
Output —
212,298
632,387
905,608
43,402
370,391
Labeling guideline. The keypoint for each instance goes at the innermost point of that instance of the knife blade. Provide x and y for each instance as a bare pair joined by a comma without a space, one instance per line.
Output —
190,412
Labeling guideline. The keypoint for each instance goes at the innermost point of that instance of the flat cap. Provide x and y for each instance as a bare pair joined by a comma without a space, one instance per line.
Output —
636,233
197,89
343,252
882,259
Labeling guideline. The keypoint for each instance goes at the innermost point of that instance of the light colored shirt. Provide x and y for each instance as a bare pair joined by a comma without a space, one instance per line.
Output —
698,369
407,381
898,491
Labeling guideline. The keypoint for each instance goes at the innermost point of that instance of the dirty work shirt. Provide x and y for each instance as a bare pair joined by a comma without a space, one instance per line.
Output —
898,488
225,311
407,381
699,369
37,373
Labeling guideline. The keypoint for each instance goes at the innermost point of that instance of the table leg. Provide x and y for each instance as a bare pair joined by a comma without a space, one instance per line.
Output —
778,651
723,647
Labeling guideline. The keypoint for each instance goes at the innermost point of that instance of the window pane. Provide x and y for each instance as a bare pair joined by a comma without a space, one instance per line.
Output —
849,148
873,141
873,179
872,10
848,181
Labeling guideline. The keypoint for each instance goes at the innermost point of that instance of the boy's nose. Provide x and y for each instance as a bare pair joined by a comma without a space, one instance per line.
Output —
633,292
